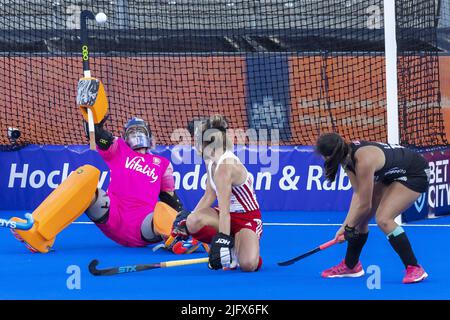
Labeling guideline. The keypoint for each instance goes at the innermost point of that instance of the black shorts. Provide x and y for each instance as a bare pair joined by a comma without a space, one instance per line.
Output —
415,183
417,179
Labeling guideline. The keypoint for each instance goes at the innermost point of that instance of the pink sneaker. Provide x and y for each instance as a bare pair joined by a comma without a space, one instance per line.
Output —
342,271
414,274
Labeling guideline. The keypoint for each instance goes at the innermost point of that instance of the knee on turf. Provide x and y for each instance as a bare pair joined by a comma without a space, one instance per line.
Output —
249,264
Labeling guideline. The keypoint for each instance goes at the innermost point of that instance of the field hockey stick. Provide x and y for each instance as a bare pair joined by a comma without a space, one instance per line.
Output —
91,94
140,267
313,251
17,224
86,14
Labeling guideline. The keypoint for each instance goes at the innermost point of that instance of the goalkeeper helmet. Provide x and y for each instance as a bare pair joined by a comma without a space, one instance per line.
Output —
137,134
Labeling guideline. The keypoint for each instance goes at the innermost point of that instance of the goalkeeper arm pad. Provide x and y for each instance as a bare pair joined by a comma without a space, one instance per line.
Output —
103,138
172,201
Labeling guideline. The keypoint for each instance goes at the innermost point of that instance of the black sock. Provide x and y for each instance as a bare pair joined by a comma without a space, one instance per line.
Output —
354,248
401,245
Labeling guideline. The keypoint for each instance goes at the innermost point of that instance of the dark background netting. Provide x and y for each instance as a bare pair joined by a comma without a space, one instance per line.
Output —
302,67
444,25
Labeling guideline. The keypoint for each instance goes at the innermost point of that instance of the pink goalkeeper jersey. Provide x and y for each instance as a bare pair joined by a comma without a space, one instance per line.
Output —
136,180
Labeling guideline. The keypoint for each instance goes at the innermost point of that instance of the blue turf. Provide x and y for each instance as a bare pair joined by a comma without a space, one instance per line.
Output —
38,276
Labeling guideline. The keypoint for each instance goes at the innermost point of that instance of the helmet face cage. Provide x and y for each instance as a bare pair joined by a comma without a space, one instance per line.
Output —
137,134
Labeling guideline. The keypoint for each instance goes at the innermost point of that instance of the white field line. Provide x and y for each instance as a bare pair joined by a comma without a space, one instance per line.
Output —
339,224
287,224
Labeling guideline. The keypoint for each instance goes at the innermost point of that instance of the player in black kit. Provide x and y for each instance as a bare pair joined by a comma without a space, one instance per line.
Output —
386,180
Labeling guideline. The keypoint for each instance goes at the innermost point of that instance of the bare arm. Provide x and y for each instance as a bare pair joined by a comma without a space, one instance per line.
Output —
362,193
354,184
224,184
208,197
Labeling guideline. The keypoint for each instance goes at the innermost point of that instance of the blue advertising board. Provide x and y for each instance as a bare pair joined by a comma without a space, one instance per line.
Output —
285,178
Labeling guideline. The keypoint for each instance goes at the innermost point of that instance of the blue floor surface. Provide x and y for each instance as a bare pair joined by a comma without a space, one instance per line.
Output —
286,234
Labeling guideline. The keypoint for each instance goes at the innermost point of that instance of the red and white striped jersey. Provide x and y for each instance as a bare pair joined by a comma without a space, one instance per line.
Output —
243,197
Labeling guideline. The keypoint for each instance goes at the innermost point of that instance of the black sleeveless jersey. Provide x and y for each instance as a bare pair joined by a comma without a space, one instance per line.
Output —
401,163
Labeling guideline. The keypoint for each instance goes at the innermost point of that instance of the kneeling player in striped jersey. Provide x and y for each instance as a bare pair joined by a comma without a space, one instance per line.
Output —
235,227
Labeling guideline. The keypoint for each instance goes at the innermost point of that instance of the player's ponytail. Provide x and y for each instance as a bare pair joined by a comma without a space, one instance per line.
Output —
218,122
335,150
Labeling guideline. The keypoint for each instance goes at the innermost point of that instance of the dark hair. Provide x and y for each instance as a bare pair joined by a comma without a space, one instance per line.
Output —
197,121
332,145
214,122
218,122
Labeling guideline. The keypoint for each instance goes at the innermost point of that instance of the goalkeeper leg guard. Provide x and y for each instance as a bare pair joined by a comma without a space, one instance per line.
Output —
163,218
63,206
147,232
